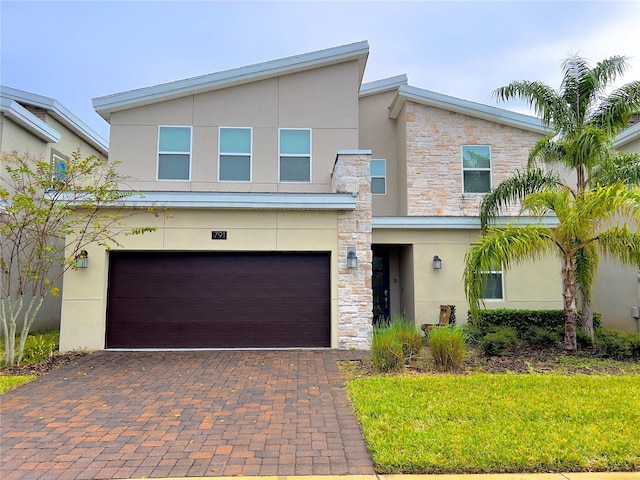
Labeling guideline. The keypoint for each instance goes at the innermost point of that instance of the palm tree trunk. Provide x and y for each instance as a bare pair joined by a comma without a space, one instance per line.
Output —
587,314
570,311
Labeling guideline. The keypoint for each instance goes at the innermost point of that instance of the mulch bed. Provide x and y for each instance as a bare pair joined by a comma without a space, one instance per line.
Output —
51,364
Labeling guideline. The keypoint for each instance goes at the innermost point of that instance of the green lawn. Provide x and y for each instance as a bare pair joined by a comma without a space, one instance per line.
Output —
10,382
500,423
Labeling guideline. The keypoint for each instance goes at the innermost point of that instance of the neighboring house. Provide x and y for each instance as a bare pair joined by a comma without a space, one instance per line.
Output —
617,287
292,203
47,130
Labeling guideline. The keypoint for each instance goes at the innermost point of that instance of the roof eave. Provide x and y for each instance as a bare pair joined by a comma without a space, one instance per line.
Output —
628,135
27,120
108,104
61,114
383,85
466,107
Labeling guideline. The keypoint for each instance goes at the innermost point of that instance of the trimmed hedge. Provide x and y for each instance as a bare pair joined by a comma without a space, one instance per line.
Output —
524,320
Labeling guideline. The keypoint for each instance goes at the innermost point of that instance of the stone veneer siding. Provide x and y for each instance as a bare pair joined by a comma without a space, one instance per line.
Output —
434,158
355,295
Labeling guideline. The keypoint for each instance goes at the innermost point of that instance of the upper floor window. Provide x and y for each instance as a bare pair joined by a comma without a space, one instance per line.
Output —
379,177
59,166
476,168
235,154
174,153
493,285
295,155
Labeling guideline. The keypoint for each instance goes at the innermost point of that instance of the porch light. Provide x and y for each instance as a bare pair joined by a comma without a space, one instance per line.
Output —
437,262
352,259
82,259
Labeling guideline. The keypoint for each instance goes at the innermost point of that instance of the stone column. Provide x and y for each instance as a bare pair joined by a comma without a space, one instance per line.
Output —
355,296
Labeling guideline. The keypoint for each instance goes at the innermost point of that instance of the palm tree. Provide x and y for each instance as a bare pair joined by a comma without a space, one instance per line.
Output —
584,225
583,122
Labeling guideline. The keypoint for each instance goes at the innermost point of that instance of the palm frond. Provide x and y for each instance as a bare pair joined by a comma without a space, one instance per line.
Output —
619,167
620,244
587,261
615,110
515,189
502,246
547,150
544,100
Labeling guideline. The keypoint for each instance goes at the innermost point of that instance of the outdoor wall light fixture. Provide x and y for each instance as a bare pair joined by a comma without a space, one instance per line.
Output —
352,259
437,262
82,259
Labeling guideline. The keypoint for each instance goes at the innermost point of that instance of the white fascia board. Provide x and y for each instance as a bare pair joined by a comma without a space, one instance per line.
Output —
143,96
466,107
383,85
60,113
285,201
27,120
455,223
628,135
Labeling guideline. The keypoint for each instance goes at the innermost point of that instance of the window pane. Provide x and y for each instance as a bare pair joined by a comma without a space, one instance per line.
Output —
235,140
296,142
477,182
295,169
476,156
378,185
492,285
378,168
173,167
59,168
175,139
235,168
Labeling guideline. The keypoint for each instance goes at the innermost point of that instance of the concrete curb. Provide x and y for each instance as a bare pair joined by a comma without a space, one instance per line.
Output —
482,476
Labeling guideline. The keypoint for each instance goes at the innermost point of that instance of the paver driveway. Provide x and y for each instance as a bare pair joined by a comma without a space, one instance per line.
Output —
159,414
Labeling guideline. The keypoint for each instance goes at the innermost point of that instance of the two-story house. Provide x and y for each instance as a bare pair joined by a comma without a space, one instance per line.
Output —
294,205
46,129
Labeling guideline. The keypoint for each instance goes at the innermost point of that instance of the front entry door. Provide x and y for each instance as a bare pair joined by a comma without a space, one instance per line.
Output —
380,287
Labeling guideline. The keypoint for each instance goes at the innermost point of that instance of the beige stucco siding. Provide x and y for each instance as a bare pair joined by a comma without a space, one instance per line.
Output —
378,133
324,100
534,285
434,159
85,293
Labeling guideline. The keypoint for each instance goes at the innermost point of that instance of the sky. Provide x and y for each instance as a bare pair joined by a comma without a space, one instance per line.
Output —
76,51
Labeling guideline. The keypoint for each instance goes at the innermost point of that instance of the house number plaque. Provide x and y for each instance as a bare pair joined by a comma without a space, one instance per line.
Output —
218,235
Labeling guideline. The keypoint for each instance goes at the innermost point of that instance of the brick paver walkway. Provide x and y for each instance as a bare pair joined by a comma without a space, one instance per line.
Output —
160,414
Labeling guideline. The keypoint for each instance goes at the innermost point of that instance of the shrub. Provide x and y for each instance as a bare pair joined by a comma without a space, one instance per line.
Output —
38,349
386,351
406,332
523,320
542,337
613,344
472,334
497,341
447,347
584,339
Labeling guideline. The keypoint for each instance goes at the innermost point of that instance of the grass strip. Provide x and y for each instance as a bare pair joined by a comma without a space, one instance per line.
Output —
10,382
499,423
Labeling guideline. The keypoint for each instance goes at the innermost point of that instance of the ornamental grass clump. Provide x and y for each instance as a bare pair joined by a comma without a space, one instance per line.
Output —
448,348
394,344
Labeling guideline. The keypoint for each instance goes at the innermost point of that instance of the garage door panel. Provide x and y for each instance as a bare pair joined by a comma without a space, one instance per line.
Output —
218,300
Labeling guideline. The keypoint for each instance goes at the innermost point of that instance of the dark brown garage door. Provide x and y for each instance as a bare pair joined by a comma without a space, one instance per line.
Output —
218,300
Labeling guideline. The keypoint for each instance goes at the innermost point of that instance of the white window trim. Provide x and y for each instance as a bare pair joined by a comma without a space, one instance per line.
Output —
385,175
464,169
177,153
280,155
236,154
495,272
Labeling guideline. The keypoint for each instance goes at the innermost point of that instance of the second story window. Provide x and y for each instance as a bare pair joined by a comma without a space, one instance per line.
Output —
379,177
59,166
295,155
476,168
235,155
174,153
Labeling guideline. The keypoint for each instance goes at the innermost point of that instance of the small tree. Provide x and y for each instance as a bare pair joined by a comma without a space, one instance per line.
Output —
49,214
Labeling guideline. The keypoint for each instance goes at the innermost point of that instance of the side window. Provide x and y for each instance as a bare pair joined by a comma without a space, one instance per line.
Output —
59,166
379,177
493,285
174,153
295,155
476,168
234,155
